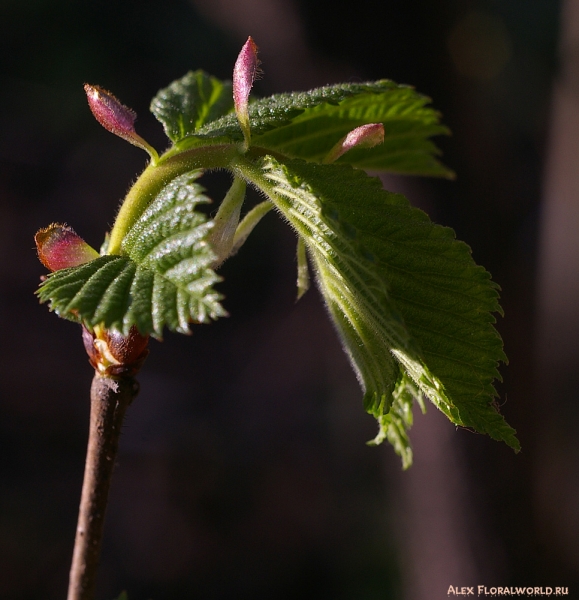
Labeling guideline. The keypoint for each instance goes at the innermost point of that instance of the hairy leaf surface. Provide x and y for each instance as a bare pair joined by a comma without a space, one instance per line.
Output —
406,297
163,278
408,124
307,125
190,102
278,110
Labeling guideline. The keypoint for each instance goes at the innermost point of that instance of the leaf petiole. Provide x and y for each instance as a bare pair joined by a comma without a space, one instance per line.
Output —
226,221
303,281
248,223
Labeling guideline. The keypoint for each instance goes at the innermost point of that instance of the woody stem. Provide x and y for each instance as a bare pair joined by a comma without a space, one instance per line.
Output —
110,398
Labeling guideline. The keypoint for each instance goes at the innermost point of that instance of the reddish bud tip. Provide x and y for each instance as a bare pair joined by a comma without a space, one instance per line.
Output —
365,136
116,117
245,73
59,247
109,112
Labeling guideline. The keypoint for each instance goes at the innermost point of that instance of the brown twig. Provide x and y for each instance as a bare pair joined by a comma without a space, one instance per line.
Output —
110,398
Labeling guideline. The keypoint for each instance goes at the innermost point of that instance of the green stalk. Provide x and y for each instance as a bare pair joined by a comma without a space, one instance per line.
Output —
155,177
226,221
247,225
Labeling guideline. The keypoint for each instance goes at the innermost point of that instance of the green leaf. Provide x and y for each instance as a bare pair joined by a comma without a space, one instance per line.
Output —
278,110
190,102
307,125
411,306
162,279
408,124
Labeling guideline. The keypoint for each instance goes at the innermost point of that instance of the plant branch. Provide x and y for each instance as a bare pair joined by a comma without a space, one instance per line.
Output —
110,398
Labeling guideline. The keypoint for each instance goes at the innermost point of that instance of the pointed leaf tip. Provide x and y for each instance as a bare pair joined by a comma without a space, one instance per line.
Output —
245,73
59,247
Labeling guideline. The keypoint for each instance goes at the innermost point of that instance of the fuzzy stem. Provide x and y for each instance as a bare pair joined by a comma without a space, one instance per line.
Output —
156,176
109,401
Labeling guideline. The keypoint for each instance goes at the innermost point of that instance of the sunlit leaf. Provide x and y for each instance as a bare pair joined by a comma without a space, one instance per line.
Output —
410,304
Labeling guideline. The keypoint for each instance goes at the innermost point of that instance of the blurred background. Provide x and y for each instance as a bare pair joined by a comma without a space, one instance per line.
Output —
243,471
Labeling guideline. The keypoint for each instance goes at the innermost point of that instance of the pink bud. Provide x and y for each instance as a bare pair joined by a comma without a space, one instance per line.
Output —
59,247
115,117
109,112
365,136
245,72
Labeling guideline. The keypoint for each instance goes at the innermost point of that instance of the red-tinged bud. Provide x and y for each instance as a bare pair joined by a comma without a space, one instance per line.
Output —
109,112
59,247
116,117
245,73
365,136
113,354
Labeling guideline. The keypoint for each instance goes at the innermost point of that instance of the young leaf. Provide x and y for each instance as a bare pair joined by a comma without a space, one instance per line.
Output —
162,279
190,102
397,286
278,110
408,124
307,125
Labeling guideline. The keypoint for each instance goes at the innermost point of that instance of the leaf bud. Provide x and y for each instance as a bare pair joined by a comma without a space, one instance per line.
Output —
114,354
116,117
245,73
365,136
59,247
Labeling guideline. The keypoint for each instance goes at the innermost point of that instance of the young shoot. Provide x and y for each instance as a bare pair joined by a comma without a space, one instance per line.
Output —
413,311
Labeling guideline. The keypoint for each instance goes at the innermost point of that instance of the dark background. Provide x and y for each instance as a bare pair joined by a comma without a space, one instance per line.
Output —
243,470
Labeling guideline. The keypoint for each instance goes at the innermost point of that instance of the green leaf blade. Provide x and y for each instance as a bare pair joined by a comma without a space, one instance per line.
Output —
140,309
408,121
394,424
279,110
115,299
397,286
306,125
446,300
190,102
